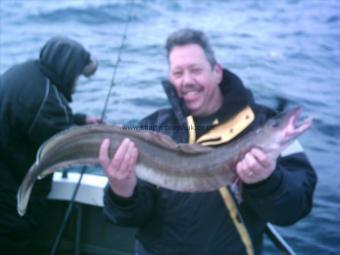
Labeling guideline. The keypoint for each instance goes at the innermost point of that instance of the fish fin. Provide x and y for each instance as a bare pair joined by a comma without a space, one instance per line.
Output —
159,139
167,142
194,148
156,138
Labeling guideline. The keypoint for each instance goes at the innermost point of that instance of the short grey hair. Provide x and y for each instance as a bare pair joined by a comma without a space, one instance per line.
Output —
187,36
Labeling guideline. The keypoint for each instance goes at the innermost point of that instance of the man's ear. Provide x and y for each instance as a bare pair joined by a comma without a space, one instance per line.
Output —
218,73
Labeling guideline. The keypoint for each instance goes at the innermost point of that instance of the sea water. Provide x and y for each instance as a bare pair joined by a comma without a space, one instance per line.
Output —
281,49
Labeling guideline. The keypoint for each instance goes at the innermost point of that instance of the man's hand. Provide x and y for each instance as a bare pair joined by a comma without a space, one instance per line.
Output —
256,166
93,120
120,170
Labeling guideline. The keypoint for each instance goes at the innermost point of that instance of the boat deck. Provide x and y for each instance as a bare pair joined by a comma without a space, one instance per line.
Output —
87,232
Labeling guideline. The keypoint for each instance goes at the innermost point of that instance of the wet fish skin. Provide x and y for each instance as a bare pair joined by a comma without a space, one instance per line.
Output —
161,161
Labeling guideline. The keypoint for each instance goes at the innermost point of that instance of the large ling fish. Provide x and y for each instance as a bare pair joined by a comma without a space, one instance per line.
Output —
180,167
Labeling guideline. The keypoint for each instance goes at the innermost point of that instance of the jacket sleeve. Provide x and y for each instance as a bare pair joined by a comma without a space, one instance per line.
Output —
52,116
134,211
287,195
79,119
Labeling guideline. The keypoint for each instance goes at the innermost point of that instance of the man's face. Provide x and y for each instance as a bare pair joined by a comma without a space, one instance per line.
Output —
195,80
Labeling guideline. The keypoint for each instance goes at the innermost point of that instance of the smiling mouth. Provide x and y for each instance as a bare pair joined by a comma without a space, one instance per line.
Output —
191,96
190,92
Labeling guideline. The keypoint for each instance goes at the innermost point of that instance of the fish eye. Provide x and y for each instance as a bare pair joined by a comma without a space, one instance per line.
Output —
275,123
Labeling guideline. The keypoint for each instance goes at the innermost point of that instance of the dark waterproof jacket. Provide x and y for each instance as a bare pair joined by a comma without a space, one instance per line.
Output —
34,99
172,222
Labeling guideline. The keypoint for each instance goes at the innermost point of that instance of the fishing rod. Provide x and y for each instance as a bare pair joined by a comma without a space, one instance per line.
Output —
278,240
56,243
102,118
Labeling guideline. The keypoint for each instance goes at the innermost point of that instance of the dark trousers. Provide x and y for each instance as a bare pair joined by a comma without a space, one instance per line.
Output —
16,232
16,244
140,249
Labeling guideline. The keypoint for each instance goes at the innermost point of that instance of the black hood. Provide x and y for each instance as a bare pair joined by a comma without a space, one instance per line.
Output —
62,60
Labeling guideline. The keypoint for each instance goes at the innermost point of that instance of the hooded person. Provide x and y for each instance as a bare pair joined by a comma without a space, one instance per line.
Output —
34,105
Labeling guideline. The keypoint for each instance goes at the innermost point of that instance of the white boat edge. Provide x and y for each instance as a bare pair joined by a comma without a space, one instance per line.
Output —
90,191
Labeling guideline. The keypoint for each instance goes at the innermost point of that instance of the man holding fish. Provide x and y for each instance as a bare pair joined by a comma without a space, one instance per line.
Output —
34,105
210,106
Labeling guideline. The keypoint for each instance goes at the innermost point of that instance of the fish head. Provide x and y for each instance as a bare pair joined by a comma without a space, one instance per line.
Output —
284,128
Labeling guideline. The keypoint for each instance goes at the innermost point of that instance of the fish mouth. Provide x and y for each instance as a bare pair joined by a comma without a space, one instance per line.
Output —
296,126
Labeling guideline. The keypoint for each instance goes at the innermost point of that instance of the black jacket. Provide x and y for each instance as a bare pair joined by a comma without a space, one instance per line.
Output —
34,98
172,222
